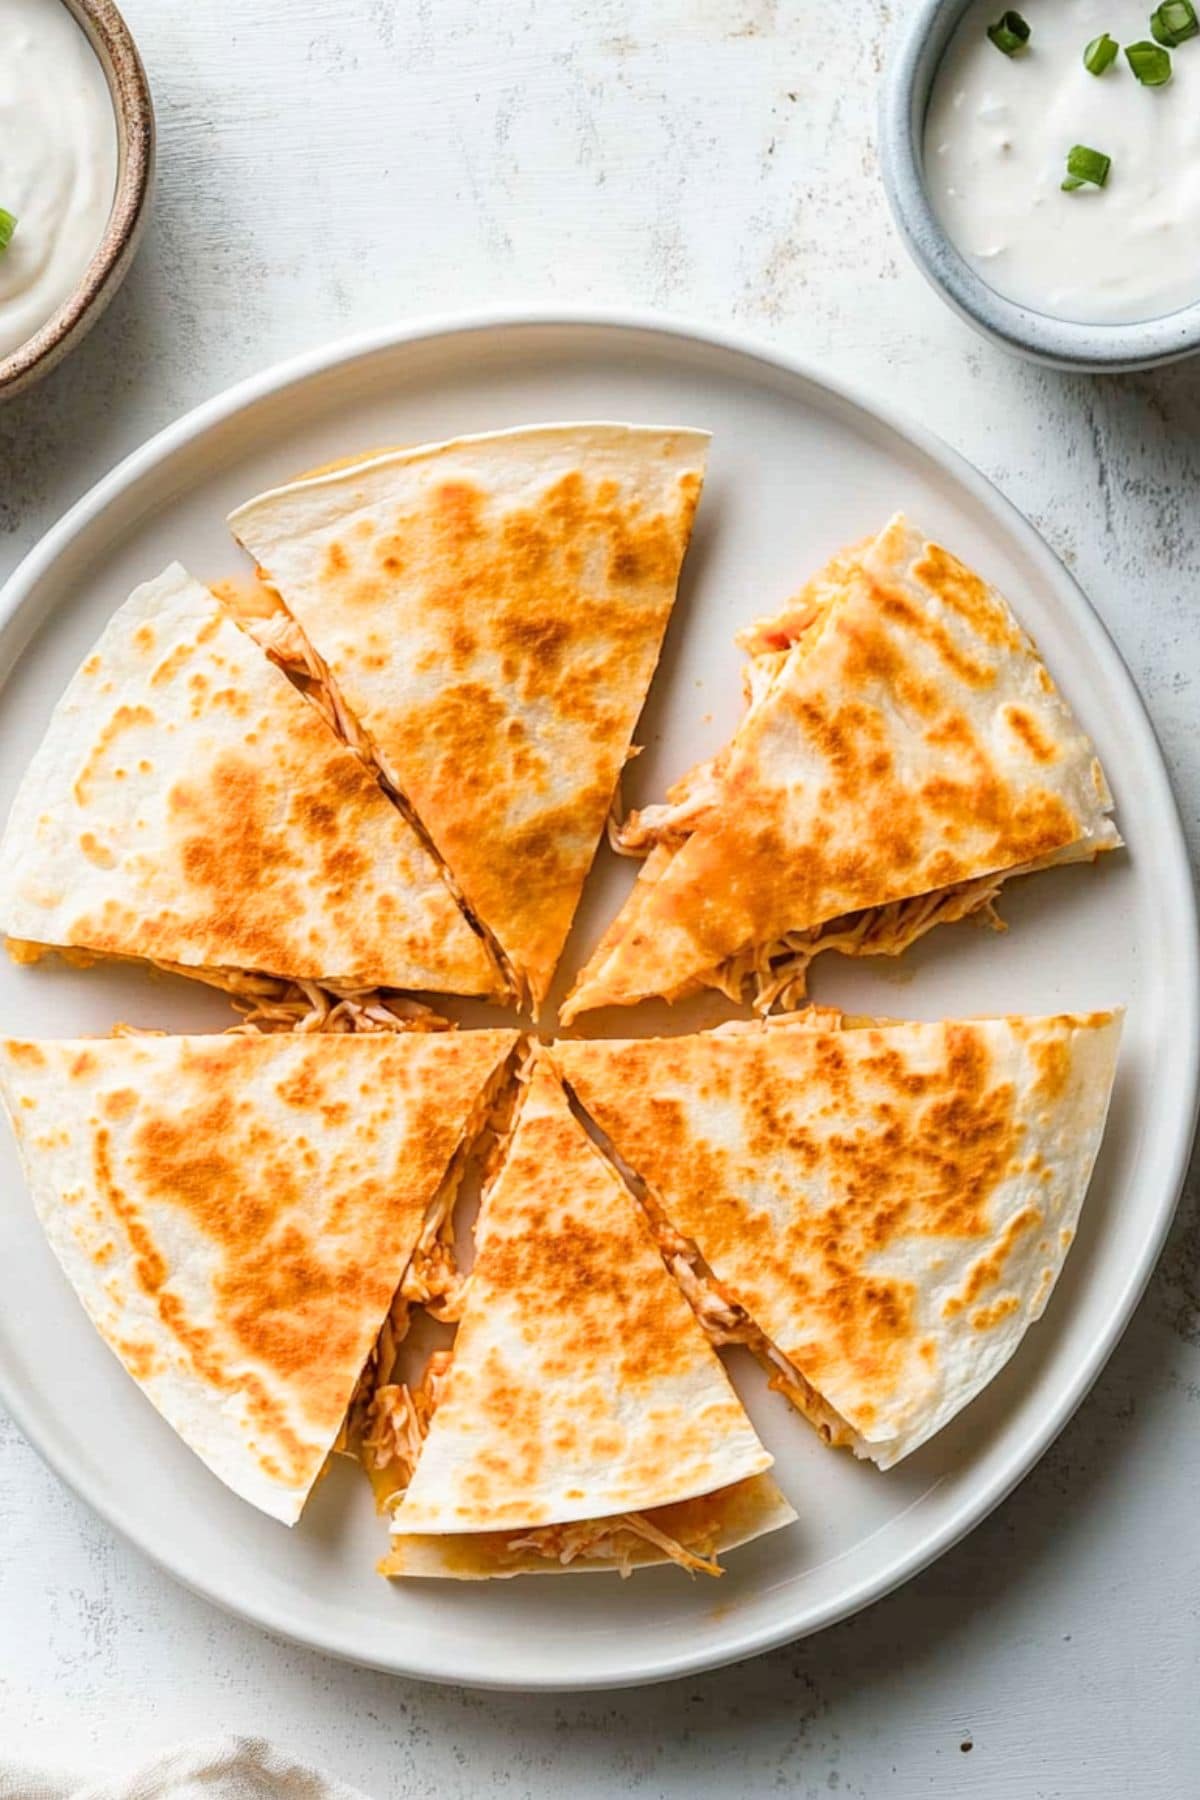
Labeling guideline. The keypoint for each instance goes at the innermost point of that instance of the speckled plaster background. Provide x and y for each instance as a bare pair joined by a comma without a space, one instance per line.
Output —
334,164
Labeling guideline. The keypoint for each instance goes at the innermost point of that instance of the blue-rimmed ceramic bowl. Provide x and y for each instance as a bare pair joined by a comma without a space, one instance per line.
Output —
1089,349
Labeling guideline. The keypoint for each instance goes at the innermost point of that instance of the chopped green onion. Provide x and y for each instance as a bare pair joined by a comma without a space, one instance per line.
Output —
1010,33
1100,54
1151,65
8,225
1174,22
1086,165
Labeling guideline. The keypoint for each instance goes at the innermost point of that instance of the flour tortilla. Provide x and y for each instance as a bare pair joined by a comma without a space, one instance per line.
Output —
491,611
582,1387
905,751
236,1213
189,807
890,1205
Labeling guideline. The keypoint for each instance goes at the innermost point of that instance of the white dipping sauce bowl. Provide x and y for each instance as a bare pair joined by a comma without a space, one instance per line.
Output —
1060,343
112,42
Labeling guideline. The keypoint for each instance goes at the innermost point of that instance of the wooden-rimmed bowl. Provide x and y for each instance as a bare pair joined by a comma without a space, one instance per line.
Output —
113,44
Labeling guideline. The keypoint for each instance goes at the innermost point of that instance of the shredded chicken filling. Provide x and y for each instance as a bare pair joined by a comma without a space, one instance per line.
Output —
671,823
769,975
279,635
776,974
387,1420
396,1421
614,1540
305,1007
270,1003
433,1278
725,1322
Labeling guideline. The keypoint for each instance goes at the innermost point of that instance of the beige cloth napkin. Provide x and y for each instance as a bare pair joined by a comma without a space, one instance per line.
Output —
229,1768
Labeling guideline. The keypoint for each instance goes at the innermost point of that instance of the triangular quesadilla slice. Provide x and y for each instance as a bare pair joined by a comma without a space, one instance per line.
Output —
488,614
237,1213
904,753
880,1212
584,1421
188,807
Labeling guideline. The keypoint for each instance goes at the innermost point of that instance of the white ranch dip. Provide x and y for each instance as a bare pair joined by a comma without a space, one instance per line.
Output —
58,161
996,140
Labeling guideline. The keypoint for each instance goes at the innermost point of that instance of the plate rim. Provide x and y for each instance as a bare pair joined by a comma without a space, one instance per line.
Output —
295,371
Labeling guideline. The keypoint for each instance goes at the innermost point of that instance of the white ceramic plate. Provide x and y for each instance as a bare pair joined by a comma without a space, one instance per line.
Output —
797,468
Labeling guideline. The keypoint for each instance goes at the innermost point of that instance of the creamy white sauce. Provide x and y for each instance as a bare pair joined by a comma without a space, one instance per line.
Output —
996,140
58,161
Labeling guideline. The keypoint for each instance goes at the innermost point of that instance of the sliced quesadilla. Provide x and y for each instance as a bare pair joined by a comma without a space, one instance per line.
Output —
582,1421
187,807
485,617
879,1213
903,754
236,1214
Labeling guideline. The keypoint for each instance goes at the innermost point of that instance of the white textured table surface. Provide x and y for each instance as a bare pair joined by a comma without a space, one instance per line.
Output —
332,164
